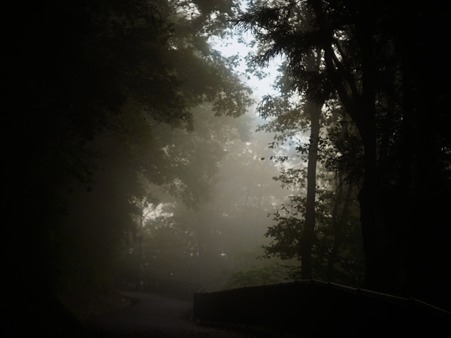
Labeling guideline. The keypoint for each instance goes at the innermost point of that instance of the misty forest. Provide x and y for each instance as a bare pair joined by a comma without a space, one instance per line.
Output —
175,147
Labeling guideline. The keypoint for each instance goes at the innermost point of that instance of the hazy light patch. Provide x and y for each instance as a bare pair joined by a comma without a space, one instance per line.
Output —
187,9
153,211
274,201
238,47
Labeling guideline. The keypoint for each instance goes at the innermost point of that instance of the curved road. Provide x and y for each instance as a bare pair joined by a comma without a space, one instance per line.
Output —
159,316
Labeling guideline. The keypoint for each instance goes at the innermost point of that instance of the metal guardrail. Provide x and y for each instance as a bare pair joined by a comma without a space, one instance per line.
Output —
313,307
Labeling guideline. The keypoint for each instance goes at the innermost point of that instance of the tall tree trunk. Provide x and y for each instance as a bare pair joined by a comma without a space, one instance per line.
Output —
307,239
362,109
338,224
372,232
429,188
373,227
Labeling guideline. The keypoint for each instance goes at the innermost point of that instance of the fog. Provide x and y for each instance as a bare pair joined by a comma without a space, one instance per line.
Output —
174,147
222,234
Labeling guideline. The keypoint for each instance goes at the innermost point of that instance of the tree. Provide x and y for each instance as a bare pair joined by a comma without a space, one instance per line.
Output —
369,64
307,89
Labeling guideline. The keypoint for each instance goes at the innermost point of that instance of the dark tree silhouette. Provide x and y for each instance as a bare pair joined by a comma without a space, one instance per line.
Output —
85,85
379,59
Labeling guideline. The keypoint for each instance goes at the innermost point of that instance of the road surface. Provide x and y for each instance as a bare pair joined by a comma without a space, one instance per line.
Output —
158,316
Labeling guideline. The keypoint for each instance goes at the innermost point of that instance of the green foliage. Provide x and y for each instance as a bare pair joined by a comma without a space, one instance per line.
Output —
335,226
286,235
252,268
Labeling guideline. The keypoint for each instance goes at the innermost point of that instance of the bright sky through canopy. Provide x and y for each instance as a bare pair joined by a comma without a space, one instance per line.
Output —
233,47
